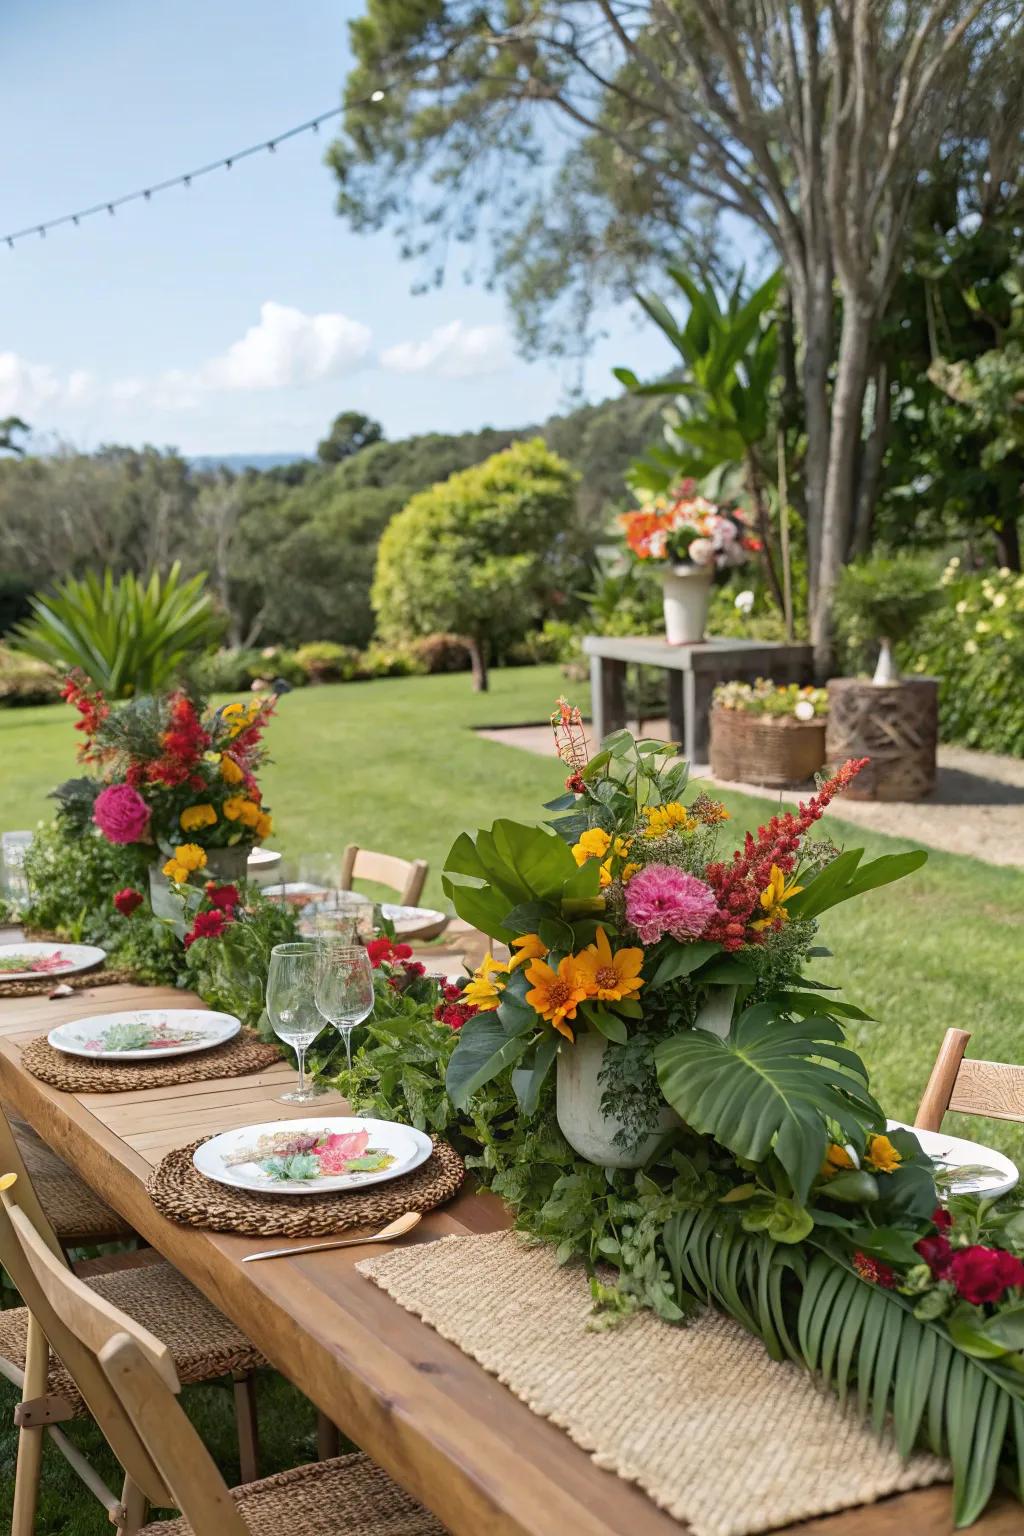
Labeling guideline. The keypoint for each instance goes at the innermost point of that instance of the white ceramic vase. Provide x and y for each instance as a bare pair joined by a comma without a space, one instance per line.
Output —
886,670
581,1120
222,864
686,593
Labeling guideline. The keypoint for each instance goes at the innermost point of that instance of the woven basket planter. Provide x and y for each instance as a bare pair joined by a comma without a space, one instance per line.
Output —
770,750
895,725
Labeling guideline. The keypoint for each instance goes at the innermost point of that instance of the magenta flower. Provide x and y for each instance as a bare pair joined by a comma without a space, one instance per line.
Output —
121,814
661,899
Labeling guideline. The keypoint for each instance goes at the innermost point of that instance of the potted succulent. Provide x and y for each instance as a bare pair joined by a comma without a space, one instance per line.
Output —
691,539
879,604
766,733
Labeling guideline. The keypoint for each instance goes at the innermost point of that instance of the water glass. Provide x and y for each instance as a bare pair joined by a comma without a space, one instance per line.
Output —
345,916
344,987
292,1007
13,884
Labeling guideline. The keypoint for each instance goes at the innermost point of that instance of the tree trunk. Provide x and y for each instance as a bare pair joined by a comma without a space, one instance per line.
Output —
1008,541
871,466
755,485
478,662
816,325
844,444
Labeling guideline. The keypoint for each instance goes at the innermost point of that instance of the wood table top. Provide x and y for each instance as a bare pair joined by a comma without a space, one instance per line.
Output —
434,1419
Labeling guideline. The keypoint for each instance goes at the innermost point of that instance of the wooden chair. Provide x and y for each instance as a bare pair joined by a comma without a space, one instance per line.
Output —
203,1343
992,1088
128,1378
405,876
75,1212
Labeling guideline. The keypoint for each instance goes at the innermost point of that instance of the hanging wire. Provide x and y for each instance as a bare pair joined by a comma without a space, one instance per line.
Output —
266,146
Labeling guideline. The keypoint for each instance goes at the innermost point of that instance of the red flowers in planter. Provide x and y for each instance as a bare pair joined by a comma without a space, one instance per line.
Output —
224,898
453,1011
983,1274
207,925
127,900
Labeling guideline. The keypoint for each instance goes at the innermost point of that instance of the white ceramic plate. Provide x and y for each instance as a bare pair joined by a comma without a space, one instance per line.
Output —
368,1139
999,1175
298,892
70,960
263,858
413,919
144,1034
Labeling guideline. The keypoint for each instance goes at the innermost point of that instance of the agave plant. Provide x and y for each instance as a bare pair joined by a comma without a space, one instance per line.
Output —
128,636
864,1340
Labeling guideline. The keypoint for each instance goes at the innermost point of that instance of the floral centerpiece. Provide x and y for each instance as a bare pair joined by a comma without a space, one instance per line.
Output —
176,775
691,537
653,1077
767,733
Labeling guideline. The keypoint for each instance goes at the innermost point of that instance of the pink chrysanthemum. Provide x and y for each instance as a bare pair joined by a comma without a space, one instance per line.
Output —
661,899
121,814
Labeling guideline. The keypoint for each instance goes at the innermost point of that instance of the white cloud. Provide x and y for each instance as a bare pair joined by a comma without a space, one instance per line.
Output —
287,349
28,388
453,351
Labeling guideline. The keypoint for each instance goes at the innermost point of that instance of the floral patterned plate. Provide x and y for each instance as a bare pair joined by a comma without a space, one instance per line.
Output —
984,1170
144,1034
312,1157
38,962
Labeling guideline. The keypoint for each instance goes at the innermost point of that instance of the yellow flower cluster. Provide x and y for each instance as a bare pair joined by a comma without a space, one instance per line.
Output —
239,808
773,899
490,976
229,770
667,818
239,716
596,843
881,1157
194,817
186,859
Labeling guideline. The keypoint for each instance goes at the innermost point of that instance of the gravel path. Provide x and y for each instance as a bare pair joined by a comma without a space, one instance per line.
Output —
977,807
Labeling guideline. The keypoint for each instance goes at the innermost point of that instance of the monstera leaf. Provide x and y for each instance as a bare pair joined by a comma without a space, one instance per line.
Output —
508,866
770,1087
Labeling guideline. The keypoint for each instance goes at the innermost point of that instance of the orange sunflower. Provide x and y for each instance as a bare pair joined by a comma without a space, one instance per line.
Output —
608,976
555,995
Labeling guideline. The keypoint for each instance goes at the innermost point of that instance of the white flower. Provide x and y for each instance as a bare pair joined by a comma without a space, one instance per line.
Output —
803,709
999,601
953,563
981,628
1004,571
961,606
701,552
743,602
970,647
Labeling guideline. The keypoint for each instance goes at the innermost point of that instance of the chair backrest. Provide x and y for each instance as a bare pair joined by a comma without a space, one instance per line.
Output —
125,1374
992,1088
405,876
11,1161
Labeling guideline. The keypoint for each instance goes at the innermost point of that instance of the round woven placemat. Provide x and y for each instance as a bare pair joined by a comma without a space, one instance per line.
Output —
83,980
181,1192
235,1058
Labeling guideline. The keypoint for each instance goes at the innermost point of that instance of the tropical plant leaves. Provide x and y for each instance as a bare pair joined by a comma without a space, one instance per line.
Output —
484,1050
845,878
769,1087
509,867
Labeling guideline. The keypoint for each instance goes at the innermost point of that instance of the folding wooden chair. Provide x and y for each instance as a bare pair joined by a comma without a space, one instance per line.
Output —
406,877
203,1343
128,1378
992,1088
75,1212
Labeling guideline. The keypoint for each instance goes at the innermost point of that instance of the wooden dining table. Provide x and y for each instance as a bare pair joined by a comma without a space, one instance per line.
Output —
451,1434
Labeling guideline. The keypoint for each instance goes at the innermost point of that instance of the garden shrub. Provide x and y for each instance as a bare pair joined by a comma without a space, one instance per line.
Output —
440,653
974,644
24,680
323,661
884,597
235,671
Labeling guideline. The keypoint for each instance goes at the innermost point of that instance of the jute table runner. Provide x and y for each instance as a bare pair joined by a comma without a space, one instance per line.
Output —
181,1192
239,1057
717,1433
81,982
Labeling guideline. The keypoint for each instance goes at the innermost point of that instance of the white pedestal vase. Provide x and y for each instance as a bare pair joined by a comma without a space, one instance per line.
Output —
581,1120
686,593
225,865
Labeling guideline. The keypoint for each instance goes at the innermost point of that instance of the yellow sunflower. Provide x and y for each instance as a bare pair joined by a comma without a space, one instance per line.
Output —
527,947
609,976
485,989
555,995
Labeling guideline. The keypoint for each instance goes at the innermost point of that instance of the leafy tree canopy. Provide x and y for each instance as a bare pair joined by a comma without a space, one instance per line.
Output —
349,432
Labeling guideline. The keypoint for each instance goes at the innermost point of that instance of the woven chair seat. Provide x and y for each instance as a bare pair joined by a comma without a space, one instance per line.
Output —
347,1496
203,1342
77,1214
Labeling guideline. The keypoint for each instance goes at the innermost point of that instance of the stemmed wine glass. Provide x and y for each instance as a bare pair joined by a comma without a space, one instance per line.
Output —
344,987
292,1008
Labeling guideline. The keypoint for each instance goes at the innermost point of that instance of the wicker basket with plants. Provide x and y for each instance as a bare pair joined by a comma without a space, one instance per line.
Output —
767,734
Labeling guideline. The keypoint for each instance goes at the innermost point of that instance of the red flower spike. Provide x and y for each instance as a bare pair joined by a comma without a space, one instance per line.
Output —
875,1272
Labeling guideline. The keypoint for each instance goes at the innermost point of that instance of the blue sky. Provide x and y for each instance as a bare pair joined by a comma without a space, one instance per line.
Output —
239,315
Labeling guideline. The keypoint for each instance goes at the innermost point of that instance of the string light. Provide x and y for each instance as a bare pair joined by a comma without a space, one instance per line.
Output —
265,146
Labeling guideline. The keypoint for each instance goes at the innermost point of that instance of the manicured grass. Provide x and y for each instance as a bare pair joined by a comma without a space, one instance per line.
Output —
395,765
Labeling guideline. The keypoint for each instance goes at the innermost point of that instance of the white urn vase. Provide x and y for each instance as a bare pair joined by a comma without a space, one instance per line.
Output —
686,593
581,1120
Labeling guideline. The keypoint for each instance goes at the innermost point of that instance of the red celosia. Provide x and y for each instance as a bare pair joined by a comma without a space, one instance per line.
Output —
184,742
414,968
941,1218
983,1274
207,925
249,738
874,1271
936,1253
127,900
92,708
738,886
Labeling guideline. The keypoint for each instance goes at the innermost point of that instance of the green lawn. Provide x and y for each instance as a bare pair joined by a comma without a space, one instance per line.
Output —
395,765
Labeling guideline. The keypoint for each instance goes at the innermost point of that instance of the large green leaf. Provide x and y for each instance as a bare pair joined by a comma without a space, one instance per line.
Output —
770,1087
484,1050
845,877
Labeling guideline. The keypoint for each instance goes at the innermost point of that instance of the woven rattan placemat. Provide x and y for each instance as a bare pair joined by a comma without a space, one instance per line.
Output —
235,1058
715,1431
79,983
180,1191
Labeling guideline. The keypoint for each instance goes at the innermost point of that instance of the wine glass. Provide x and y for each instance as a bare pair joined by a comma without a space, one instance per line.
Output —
345,916
344,987
292,1007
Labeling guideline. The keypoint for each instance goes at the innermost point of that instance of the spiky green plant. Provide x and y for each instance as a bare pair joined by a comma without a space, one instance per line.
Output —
813,1308
128,636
